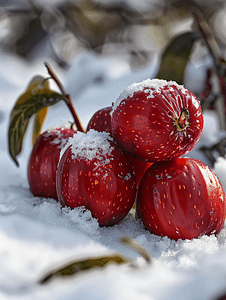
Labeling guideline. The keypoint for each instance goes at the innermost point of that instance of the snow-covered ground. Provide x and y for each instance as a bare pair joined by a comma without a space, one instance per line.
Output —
36,235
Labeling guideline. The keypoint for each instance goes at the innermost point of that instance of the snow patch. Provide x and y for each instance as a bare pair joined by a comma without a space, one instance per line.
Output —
83,219
90,145
151,85
63,124
60,140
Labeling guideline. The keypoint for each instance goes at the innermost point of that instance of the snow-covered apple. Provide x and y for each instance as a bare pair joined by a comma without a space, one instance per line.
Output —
44,159
156,120
94,172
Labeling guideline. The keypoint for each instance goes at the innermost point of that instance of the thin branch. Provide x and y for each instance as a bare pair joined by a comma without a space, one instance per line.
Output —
67,98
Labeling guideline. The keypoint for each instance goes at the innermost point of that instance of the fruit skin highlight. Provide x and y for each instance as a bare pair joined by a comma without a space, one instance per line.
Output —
181,199
95,173
156,120
44,159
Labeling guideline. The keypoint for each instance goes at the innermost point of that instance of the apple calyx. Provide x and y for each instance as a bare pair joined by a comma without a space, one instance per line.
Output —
181,122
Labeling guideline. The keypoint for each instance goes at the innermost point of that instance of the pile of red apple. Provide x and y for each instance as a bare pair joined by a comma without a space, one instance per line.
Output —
144,135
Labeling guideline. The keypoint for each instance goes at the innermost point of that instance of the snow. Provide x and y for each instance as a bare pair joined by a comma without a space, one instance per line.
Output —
59,140
151,86
36,235
63,124
90,145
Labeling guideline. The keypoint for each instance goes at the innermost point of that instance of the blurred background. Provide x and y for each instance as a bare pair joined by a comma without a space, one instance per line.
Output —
187,39
133,30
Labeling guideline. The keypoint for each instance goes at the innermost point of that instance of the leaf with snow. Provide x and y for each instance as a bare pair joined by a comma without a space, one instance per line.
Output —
79,266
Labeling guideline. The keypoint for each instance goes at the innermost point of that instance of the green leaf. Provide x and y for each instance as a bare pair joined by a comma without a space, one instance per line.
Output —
176,56
30,103
83,265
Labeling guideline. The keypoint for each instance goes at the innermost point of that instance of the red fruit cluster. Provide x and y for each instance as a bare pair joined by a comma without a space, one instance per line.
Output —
156,121
150,126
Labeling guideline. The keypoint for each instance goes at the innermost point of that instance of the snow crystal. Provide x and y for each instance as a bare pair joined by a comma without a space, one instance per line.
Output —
90,145
59,140
63,124
156,84
7,208
83,219
127,177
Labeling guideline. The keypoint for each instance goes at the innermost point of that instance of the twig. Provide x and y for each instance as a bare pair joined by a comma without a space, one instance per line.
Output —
214,51
67,98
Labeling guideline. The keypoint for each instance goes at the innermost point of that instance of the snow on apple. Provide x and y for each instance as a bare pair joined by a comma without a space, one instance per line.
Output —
88,146
94,172
44,159
156,120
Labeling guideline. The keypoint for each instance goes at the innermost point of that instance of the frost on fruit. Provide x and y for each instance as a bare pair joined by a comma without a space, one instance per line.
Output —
60,141
83,219
90,145
87,175
156,120
60,138
63,124
127,177
149,84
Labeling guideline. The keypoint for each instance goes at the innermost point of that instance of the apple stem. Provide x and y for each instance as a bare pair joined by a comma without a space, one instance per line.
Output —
67,98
